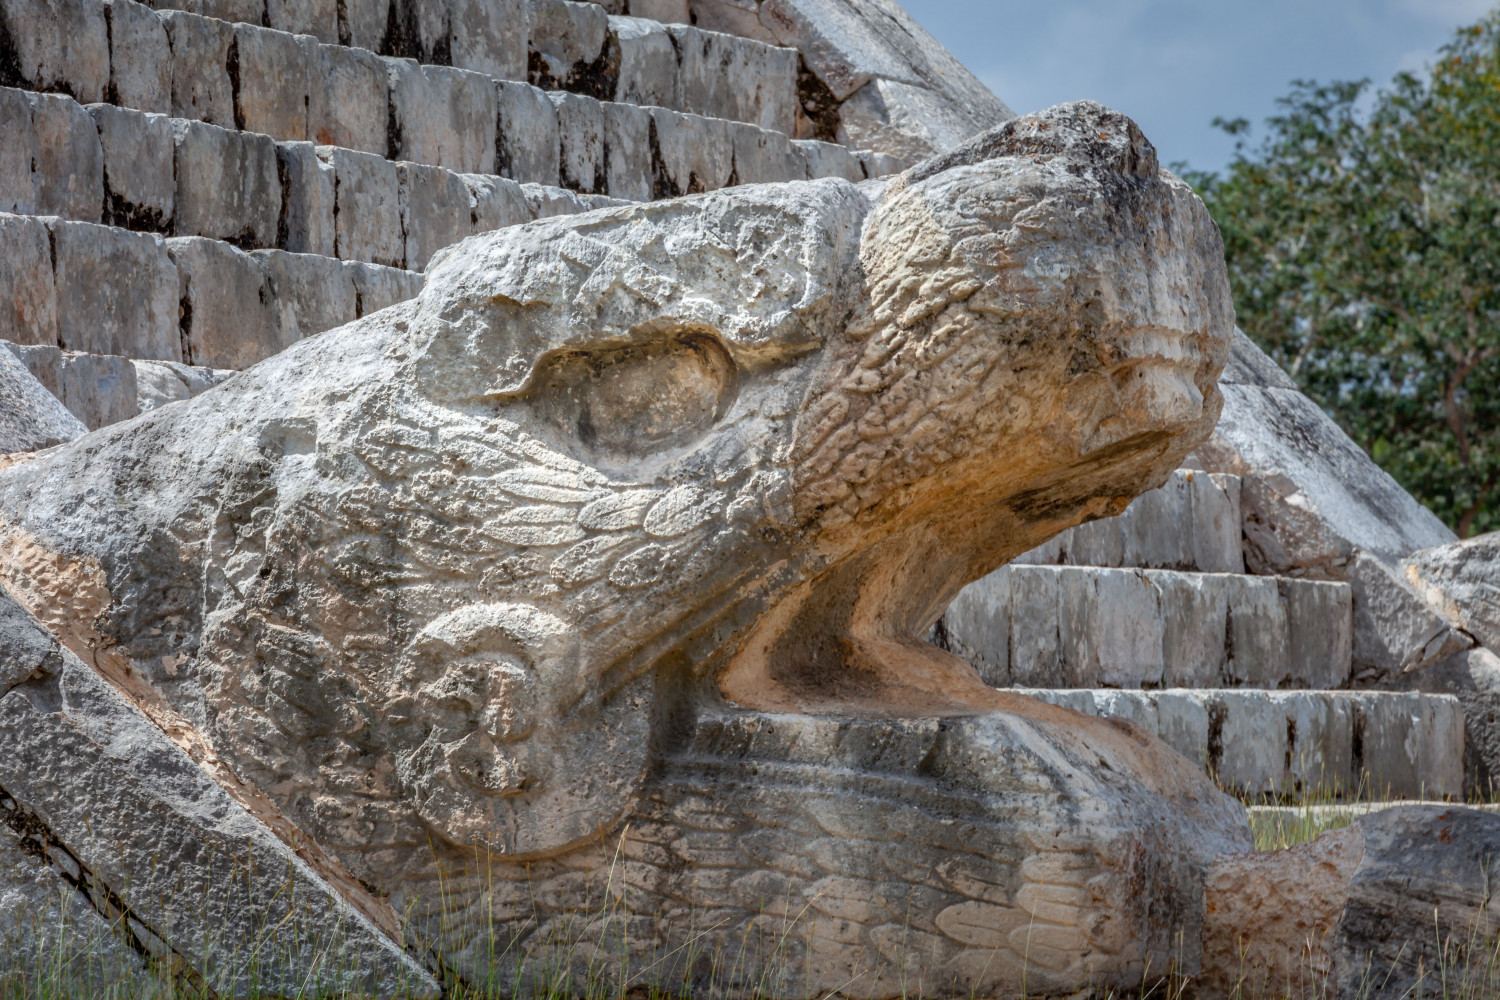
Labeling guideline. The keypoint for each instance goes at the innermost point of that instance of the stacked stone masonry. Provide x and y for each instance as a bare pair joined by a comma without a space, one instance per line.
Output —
1273,744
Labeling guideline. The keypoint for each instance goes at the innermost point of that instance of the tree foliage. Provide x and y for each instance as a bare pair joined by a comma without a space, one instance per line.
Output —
1363,240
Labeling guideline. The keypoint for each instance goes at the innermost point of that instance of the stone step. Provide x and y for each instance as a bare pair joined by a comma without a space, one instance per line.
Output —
1190,523
189,51
106,290
103,389
1288,744
293,89
1078,626
146,172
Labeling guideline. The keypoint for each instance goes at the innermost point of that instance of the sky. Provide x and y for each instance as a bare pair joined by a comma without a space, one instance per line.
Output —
1174,65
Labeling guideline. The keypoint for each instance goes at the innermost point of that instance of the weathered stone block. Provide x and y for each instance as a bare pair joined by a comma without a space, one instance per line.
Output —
140,185
31,418
228,184
18,182
276,72
230,11
98,389
116,292
349,100
495,202
1411,746
877,164
201,88
647,73
307,219
827,159
161,382
1035,645
696,154
1320,624
364,23
1257,633
61,45
723,76
489,36
665,11
567,40
762,157
547,202
442,116
28,298
1182,722
1195,622
229,318
1214,502
154,834
318,18
628,165
527,144
435,211
69,163
580,129
310,293
367,206
377,287
140,58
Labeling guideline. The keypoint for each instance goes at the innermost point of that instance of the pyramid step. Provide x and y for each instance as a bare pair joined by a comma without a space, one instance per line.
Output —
103,389
1275,744
107,290
556,44
1079,626
1192,522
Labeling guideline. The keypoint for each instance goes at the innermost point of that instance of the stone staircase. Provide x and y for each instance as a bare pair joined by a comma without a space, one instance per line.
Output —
1150,616
190,187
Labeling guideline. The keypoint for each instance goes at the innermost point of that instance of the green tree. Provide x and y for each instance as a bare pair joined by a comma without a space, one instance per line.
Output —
1363,240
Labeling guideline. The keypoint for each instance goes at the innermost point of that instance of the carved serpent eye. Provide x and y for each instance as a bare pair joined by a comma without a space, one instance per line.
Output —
640,399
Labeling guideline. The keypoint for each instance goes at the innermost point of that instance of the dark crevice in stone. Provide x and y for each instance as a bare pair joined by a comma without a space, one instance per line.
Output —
10,57
818,103
346,34
232,67
598,79
283,217
185,327
1216,715
661,181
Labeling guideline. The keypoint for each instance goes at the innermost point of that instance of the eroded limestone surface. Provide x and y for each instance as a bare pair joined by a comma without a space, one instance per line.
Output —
648,507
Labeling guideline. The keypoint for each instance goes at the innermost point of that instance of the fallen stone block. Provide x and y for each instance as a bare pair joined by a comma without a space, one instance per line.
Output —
628,168
527,145
189,868
1458,581
1395,905
18,152
349,100
567,46
140,185
61,45
228,184
275,78
580,129
31,418
647,74
229,314
827,159
28,296
495,202
692,154
318,18
489,36
116,292
140,58
908,121
435,212
367,206
762,157
201,87
310,293
723,76
98,389
161,382
69,162
307,192
442,116
377,287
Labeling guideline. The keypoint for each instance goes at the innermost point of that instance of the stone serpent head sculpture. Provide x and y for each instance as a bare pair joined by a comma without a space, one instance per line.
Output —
452,573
